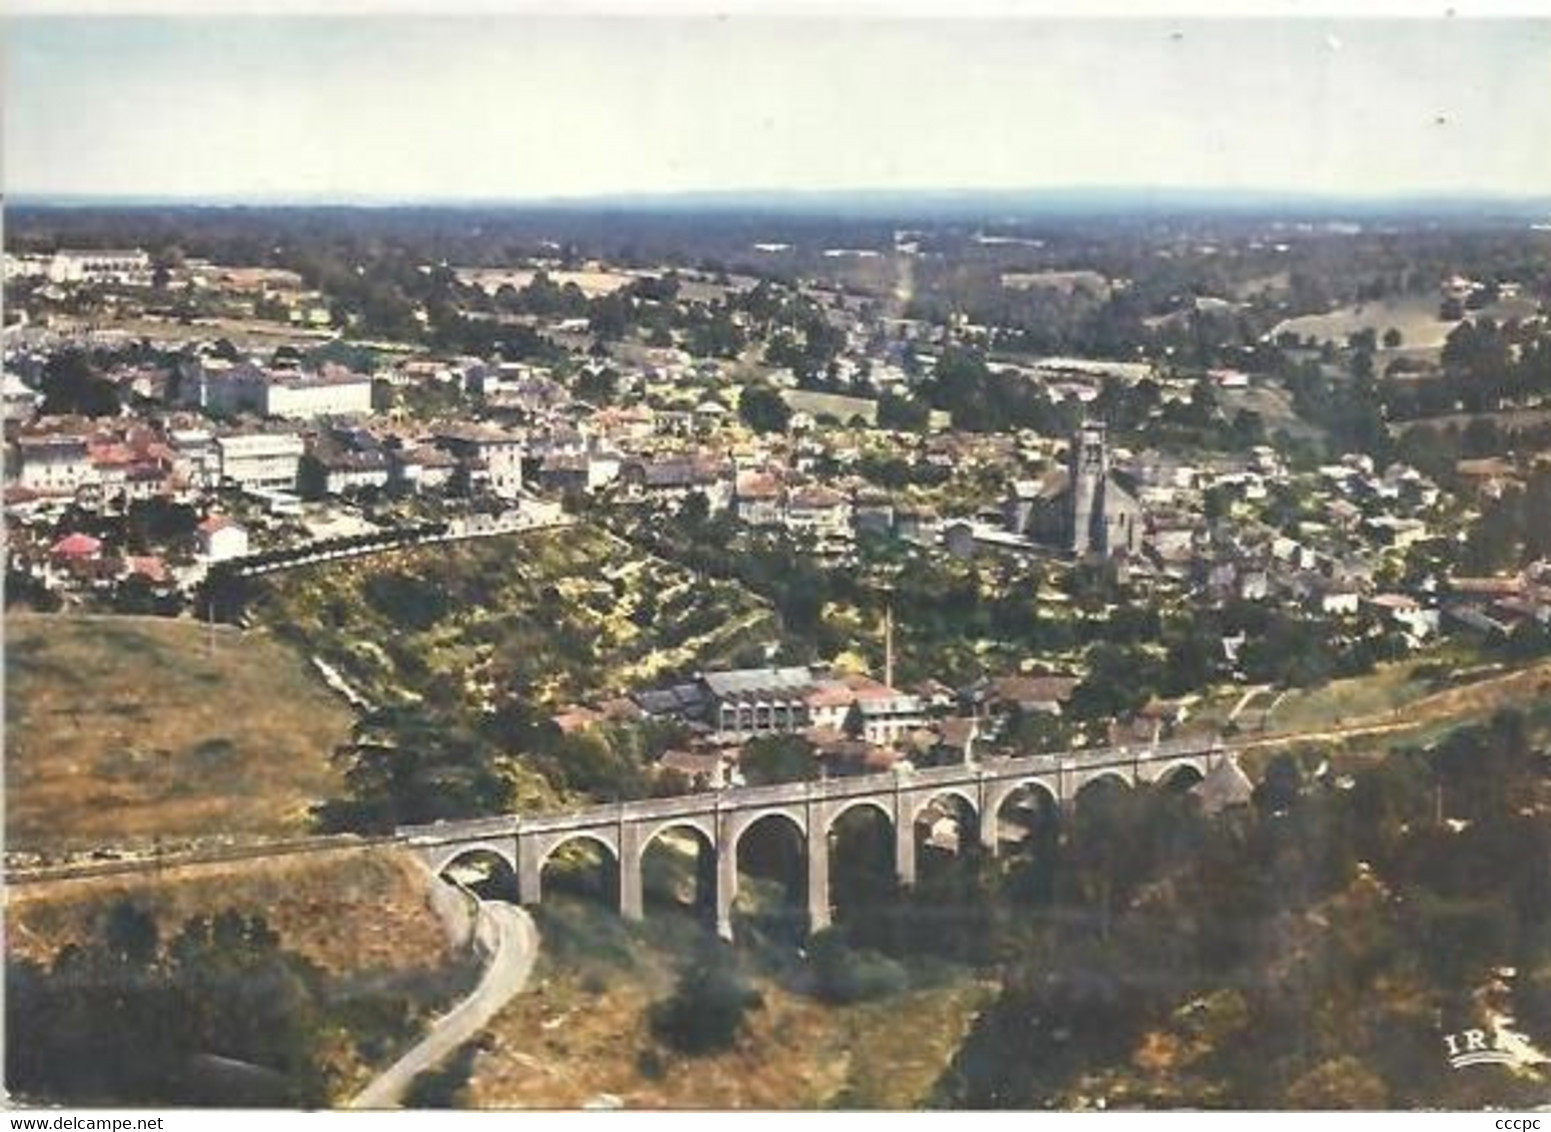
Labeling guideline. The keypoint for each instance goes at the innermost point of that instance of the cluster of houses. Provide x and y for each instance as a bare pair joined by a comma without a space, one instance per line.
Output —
96,462
1500,606
281,428
78,561
853,723
274,432
1146,512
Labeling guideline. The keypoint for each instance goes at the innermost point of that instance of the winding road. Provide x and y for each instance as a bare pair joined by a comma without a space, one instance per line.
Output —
512,942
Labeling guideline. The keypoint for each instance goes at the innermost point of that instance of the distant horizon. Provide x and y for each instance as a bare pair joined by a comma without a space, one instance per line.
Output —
1064,199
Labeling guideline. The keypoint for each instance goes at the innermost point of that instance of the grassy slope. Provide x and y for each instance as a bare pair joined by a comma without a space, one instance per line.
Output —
343,909
122,729
584,1032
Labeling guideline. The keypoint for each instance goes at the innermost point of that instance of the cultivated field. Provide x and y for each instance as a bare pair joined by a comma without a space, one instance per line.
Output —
123,730
590,283
1063,281
1415,316
1401,694
252,334
1509,420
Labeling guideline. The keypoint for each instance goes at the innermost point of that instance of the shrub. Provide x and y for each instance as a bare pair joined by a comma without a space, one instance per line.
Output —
709,1004
842,974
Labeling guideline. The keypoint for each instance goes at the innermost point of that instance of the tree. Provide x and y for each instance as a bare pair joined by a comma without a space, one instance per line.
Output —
130,935
710,1002
1392,339
599,386
1119,680
763,410
842,974
771,759
1343,1083
695,511
1281,786
119,1016
71,386
855,723
901,414
590,764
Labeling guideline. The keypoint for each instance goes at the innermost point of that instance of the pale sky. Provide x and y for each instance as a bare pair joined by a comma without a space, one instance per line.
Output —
525,107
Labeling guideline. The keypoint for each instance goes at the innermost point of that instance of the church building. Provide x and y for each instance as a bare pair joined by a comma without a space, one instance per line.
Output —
1081,508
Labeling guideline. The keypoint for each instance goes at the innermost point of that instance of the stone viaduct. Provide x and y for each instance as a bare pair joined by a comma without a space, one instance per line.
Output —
625,830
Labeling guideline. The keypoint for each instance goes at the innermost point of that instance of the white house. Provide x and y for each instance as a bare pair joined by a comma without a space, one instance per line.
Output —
818,511
221,539
18,400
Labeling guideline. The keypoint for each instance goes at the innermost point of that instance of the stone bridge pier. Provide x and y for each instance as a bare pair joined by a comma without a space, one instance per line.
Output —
626,831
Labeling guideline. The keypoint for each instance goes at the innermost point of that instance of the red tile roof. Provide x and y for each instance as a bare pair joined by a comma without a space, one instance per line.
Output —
150,567
758,485
77,546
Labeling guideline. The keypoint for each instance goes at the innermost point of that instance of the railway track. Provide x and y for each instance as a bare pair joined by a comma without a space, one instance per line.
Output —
139,864
1390,723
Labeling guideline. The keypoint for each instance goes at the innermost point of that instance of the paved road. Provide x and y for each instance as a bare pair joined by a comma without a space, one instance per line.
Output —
515,947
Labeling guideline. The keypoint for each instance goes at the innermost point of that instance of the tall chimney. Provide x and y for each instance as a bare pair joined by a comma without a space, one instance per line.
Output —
888,641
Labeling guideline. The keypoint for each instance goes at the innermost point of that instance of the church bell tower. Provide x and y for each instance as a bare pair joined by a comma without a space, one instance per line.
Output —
1089,473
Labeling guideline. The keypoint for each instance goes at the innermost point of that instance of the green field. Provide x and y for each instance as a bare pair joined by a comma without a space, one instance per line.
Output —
121,730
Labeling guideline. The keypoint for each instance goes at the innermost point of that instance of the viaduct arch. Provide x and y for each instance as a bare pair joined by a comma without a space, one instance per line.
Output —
626,830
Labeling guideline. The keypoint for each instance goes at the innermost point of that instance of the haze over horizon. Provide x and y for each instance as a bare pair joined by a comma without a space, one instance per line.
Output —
547,110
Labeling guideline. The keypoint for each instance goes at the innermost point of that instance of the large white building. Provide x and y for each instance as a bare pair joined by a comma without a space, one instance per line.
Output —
54,464
746,703
131,266
289,394
307,396
261,460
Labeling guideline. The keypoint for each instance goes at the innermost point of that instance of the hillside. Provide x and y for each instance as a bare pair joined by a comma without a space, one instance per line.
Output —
386,959
557,616
121,730
583,1033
